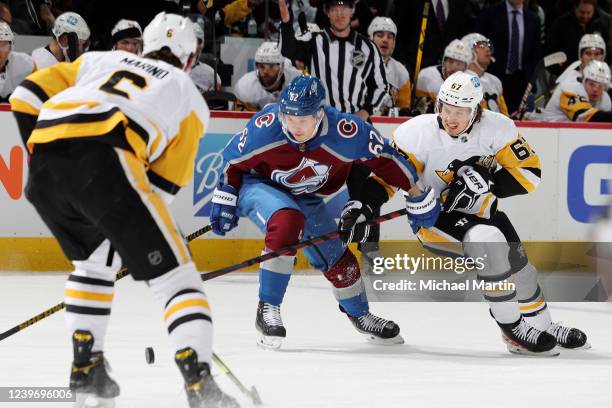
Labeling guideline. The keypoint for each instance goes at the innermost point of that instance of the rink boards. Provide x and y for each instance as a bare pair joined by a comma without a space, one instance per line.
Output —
555,221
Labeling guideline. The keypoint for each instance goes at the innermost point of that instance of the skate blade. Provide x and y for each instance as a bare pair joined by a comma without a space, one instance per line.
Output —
384,342
554,352
93,401
515,348
585,346
269,342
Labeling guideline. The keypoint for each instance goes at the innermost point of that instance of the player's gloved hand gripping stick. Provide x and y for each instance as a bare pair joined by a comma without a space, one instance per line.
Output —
351,225
423,209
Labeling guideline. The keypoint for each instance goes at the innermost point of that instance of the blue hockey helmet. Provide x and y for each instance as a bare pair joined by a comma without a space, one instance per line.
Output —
304,96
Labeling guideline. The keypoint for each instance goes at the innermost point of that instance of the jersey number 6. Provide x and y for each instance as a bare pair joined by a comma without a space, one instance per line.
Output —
110,85
520,150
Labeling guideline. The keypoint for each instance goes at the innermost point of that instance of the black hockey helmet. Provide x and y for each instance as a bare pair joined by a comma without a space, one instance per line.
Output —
328,3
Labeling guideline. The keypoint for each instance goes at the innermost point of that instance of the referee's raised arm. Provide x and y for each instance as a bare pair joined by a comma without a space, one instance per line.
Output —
290,46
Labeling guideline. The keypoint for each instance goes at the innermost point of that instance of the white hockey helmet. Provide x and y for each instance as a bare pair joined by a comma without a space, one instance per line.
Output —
474,39
458,50
6,34
268,53
126,29
597,71
70,22
381,24
463,90
591,41
172,31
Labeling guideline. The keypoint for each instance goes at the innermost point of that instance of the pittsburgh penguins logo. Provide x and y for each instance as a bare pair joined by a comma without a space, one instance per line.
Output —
347,128
357,58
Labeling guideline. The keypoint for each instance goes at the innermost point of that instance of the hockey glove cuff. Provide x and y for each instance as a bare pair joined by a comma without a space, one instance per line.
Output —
423,210
223,214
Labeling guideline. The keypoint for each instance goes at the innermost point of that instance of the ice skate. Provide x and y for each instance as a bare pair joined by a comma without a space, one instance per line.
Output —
376,329
89,378
567,337
270,326
521,338
202,390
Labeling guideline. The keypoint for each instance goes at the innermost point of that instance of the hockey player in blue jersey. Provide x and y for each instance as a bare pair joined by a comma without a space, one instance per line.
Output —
277,172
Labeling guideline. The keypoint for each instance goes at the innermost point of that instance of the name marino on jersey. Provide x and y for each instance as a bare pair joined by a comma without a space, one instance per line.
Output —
153,70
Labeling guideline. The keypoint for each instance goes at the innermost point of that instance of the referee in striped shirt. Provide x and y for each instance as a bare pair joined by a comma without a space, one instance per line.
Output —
348,63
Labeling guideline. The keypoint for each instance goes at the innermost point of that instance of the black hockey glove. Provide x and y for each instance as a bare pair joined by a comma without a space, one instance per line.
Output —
470,192
350,224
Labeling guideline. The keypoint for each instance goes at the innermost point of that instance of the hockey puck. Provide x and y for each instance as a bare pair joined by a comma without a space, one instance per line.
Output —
149,355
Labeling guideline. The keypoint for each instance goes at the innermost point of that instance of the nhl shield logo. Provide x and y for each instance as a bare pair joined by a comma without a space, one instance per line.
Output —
357,58
308,177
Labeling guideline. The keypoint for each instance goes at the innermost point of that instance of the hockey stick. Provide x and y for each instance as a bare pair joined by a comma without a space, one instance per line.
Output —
252,393
292,248
417,67
556,58
52,310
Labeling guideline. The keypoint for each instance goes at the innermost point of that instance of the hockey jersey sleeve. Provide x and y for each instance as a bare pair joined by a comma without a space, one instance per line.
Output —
41,85
174,168
246,149
293,48
27,100
520,170
578,108
387,163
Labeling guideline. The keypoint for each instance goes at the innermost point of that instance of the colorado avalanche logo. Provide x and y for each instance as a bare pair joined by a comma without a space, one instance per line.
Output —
347,128
264,120
307,177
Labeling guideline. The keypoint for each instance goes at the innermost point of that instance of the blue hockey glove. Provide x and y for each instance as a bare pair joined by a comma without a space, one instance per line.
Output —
223,214
423,210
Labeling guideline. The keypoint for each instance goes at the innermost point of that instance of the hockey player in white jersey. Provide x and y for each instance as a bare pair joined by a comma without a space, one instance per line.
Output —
582,99
127,36
113,137
202,74
256,89
482,56
14,66
457,57
70,40
591,47
382,31
471,158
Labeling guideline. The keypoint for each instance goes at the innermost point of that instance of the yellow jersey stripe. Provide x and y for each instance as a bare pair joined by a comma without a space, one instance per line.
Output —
17,105
54,79
57,130
176,164
162,215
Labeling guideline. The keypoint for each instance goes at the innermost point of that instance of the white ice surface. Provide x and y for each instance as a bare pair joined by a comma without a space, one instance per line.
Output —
453,356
